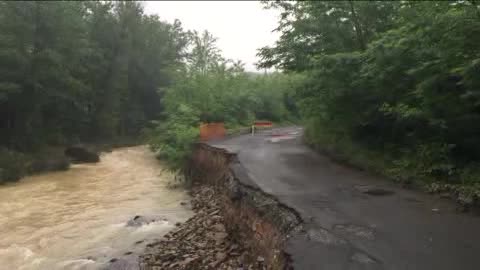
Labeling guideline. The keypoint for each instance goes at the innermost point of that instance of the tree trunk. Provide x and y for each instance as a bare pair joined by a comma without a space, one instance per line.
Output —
358,28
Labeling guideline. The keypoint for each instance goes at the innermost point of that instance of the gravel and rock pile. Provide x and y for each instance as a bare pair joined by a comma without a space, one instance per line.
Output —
201,242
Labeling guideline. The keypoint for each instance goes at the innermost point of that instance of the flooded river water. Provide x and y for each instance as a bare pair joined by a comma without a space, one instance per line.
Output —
77,219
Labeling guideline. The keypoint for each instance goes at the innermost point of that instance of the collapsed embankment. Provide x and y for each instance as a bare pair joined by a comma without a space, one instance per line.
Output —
257,220
235,224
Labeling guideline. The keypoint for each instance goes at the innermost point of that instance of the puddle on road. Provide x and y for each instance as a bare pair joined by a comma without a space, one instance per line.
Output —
373,190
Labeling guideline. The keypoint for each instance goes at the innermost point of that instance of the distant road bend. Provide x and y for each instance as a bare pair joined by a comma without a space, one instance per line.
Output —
354,220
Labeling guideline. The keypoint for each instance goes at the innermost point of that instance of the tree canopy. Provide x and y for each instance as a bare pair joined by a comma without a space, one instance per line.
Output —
400,79
77,70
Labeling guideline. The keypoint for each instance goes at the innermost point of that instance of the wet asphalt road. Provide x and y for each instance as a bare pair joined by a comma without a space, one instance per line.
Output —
354,220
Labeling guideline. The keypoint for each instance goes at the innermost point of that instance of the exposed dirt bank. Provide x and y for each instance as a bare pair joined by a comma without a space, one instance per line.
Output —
202,242
236,225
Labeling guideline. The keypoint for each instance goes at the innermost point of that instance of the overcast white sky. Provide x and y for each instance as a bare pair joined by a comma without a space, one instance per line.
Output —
240,26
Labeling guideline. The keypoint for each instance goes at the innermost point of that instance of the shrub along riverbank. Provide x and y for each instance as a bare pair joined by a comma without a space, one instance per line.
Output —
213,89
14,165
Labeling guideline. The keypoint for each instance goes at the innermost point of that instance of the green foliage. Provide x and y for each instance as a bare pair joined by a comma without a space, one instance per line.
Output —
101,70
173,139
81,70
400,79
12,165
312,28
212,89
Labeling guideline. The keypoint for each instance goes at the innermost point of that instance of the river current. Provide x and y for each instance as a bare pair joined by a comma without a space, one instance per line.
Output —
77,219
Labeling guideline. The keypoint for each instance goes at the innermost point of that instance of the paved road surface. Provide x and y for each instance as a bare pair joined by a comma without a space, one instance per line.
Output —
354,220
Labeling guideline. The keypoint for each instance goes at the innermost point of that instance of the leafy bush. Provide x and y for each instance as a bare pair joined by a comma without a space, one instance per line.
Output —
212,89
173,139
12,165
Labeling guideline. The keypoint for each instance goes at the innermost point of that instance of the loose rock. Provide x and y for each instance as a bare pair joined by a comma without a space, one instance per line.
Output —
202,242
138,221
81,154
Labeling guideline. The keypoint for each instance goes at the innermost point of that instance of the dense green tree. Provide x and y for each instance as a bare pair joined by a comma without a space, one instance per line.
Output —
204,55
40,91
312,28
81,70
396,78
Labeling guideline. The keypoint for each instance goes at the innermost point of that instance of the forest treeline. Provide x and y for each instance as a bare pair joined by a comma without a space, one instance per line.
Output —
393,86
89,71
81,70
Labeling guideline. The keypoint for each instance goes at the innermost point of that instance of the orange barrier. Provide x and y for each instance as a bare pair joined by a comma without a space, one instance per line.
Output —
262,123
211,131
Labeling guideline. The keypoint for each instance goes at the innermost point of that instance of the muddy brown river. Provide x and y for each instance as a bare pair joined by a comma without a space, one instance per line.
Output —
77,219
